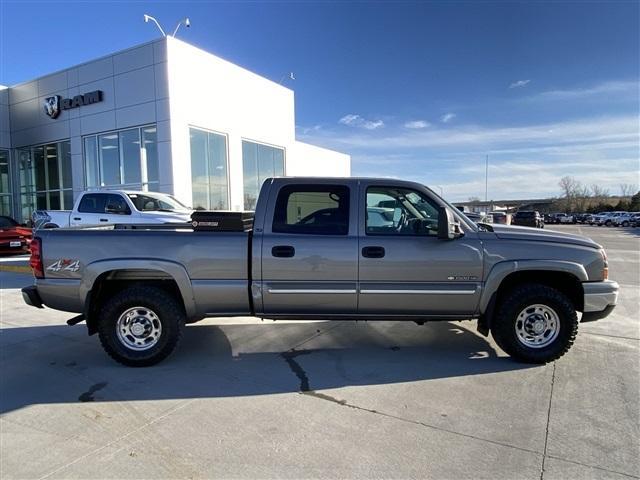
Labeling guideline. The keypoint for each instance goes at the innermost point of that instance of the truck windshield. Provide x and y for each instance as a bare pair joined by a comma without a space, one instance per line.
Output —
156,203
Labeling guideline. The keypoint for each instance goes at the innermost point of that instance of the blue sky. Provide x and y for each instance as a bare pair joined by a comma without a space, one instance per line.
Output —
419,90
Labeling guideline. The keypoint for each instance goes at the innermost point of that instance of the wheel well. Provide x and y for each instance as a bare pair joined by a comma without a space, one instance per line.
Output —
109,283
562,281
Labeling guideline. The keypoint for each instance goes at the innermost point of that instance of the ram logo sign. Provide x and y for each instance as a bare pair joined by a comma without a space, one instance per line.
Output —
55,104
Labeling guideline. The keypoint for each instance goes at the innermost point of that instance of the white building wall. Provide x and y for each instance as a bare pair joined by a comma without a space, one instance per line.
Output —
210,93
305,160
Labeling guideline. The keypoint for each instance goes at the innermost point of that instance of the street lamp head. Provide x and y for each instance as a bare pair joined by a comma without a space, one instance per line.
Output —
187,22
146,18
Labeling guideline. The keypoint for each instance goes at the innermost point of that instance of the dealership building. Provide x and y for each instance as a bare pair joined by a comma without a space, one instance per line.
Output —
163,116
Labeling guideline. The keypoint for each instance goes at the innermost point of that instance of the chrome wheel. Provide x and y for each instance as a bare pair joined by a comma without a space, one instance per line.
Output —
537,326
139,328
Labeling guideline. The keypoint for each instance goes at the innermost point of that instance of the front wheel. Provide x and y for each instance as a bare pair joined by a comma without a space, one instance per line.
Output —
140,326
535,324
625,224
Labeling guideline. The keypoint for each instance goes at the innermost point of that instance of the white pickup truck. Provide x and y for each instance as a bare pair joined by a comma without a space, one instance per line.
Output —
106,207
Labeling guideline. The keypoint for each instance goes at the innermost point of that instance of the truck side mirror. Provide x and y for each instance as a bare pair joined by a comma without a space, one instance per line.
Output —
448,228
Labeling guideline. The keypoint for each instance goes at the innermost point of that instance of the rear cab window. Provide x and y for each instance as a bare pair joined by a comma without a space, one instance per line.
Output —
312,210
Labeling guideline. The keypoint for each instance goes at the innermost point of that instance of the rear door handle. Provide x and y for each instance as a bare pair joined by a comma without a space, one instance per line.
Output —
373,252
283,251
104,219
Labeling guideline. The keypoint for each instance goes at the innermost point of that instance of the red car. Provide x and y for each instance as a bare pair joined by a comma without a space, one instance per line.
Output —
14,238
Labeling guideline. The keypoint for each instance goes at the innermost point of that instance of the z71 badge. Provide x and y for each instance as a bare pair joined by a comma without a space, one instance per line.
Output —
65,265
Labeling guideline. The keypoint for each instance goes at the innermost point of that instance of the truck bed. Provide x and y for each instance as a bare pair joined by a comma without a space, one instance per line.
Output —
217,263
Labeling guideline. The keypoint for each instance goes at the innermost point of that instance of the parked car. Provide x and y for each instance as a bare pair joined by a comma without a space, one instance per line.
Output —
623,220
115,206
528,218
580,217
563,218
139,288
548,218
608,218
14,237
635,220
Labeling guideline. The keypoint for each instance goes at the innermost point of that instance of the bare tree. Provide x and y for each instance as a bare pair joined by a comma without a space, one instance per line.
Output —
628,189
571,190
599,193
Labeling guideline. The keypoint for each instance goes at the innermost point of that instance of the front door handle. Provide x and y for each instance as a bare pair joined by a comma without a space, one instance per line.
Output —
283,251
104,219
77,218
373,252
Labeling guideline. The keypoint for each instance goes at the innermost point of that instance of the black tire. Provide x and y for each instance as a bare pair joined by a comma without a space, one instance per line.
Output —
503,328
168,312
625,224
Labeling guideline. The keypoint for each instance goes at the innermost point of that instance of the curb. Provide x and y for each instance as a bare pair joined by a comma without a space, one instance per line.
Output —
15,268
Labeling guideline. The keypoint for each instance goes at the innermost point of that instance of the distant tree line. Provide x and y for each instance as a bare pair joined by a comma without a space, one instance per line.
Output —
593,198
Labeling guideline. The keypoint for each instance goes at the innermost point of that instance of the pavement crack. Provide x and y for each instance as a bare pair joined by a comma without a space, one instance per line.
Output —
546,432
88,395
290,358
305,389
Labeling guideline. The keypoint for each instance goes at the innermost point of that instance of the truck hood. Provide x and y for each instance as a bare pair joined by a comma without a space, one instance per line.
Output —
510,232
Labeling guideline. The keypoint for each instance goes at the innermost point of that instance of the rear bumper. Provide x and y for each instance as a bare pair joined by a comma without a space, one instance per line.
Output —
31,296
600,298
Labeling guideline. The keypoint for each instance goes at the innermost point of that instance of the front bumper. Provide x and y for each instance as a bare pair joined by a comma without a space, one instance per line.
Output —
600,298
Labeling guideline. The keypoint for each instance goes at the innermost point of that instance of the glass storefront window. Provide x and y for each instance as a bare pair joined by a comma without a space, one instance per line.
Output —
259,162
44,175
123,158
5,184
209,179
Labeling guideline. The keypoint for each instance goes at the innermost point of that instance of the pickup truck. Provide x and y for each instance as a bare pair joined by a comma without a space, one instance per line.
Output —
106,207
335,249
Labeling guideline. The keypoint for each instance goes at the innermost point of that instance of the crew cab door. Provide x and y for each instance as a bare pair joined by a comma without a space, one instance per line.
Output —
404,268
101,208
310,250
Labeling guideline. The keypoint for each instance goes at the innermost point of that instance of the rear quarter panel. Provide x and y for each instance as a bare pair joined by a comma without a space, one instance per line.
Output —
212,267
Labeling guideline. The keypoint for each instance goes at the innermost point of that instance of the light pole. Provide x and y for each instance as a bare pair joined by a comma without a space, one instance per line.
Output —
486,179
185,21
441,191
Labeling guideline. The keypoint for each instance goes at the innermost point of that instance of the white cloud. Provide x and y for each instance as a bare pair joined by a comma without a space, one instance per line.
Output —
519,84
628,88
417,124
447,117
353,120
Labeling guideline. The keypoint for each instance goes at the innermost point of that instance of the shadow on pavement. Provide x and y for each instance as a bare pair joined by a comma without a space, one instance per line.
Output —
55,364
15,280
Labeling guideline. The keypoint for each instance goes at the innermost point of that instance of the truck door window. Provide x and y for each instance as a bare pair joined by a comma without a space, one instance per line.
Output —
400,211
312,209
116,205
92,203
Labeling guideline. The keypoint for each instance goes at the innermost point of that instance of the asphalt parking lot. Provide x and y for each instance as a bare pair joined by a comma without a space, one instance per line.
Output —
379,399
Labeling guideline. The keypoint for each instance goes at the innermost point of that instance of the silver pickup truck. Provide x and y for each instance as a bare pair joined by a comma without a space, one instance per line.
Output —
336,249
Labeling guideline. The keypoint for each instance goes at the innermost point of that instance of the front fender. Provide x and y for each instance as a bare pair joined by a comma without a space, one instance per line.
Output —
502,269
173,269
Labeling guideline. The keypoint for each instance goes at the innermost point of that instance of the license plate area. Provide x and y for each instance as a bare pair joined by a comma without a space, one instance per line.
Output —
15,244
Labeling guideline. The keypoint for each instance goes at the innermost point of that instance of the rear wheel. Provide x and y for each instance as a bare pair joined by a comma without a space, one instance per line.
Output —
625,224
535,324
140,326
